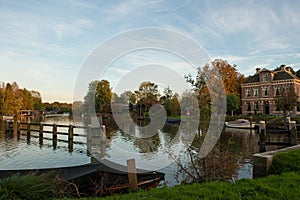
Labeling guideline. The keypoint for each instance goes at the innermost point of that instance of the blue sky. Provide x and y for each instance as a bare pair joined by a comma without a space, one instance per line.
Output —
44,43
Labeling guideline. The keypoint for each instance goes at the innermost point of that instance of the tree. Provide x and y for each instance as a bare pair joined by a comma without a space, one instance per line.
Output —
37,100
220,71
286,100
233,103
126,97
147,95
27,101
12,99
231,78
98,97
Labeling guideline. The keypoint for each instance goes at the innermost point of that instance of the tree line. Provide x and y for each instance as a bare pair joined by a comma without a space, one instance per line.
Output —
100,95
13,99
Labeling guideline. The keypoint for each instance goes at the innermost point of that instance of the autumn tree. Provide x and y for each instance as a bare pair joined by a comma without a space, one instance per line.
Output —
147,95
36,100
12,99
27,101
228,74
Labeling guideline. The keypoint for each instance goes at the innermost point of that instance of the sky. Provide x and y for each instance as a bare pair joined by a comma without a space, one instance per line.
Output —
44,44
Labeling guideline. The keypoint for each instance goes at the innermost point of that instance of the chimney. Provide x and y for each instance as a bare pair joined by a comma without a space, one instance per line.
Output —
282,67
257,70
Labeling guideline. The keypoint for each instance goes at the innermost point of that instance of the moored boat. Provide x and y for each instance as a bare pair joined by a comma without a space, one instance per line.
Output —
96,179
240,124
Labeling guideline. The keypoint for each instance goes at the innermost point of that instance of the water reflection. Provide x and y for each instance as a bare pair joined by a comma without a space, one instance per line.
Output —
231,157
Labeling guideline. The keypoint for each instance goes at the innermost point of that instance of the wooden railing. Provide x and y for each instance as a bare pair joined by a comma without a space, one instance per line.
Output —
93,136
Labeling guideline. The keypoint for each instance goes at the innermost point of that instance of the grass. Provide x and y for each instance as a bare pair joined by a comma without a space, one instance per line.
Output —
286,162
284,186
45,186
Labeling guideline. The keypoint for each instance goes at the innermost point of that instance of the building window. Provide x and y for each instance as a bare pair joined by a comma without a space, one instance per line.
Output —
248,106
248,92
277,91
266,91
256,108
256,92
265,77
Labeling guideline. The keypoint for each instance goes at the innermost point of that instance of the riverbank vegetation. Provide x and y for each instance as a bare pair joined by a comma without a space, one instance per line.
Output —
286,162
35,187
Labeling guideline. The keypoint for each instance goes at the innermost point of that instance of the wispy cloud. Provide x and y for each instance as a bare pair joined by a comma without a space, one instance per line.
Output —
53,38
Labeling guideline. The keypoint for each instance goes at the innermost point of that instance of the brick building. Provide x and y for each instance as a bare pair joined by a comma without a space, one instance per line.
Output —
259,90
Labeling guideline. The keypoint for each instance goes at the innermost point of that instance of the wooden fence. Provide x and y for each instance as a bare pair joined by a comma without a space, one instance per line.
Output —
93,136
290,135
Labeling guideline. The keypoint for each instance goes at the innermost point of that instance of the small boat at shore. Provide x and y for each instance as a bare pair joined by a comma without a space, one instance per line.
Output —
173,120
89,178
240,124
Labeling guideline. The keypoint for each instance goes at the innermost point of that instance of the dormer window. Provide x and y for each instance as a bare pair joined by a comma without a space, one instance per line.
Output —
265,77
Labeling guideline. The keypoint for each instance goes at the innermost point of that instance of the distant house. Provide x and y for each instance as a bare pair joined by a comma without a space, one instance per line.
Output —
259,91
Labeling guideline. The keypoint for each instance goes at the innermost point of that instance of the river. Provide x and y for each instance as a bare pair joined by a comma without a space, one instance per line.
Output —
233,155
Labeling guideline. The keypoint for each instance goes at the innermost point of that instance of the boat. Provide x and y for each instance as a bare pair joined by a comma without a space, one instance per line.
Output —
7,117
173,120
96,179
240,124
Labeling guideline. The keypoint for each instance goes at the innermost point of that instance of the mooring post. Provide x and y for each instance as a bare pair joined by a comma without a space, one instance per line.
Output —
41,133
89,139
6,126
262,136
70,137
28,131
54,136
18,130
132,176
293,133
103,141
287,123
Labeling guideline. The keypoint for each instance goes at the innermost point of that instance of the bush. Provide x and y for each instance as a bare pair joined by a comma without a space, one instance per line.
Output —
286,162
45,186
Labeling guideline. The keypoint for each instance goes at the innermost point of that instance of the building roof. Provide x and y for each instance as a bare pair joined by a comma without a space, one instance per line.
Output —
284,75
280,73
252,79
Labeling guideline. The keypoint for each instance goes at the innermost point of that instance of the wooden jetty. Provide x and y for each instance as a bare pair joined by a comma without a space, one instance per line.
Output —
112,178
45,131
289,135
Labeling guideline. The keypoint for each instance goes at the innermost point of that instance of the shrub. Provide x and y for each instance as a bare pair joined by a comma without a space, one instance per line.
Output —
45,186
286,162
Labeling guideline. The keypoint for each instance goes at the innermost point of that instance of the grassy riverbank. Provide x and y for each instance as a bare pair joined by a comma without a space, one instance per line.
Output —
285,186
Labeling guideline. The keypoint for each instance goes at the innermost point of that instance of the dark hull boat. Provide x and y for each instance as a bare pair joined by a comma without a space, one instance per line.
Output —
98,178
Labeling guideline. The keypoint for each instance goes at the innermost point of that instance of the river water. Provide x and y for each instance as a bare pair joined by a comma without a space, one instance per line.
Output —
155,153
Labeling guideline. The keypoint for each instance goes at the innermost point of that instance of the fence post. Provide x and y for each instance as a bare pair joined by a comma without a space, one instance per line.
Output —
6,126
54,136
41,133
89,139
18,130
132,176
28,132
262,136
70,137
103,141
293,133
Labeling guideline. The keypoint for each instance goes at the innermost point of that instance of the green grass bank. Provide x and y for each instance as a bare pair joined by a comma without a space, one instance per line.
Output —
283,184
